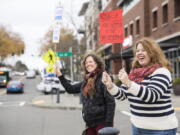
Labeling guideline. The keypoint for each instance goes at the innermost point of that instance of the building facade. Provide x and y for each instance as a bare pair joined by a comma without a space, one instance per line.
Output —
157,19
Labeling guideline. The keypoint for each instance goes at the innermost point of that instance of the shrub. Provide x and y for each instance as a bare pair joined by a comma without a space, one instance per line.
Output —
176,81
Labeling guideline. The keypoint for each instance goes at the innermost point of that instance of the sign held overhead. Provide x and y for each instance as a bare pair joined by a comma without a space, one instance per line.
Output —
111,27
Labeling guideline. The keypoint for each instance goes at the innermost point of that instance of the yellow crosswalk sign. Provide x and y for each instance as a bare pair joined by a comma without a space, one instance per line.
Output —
50,69
50,57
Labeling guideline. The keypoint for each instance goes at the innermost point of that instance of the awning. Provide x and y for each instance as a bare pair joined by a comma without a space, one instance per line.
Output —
166,46
128,52
103,47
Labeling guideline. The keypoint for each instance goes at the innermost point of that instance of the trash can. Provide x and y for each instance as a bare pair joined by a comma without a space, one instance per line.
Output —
108,131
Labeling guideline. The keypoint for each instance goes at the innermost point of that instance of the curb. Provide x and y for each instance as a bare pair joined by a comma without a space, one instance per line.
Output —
46,102
57,106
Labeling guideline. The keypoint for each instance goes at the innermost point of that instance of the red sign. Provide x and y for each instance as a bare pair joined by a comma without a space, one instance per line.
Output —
111,27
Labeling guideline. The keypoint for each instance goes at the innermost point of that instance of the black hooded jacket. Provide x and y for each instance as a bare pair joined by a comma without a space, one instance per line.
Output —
98,109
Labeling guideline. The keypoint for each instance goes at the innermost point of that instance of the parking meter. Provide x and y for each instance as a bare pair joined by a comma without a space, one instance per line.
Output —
58,96
54,95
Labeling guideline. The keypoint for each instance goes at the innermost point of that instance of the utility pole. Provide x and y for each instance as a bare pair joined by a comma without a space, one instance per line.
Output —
56,37
71,63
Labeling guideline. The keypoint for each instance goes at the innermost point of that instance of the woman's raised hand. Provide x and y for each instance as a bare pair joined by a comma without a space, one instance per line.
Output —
123,77
106,79
58,71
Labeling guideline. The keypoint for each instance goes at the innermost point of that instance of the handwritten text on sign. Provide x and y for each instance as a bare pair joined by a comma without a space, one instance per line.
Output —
111,27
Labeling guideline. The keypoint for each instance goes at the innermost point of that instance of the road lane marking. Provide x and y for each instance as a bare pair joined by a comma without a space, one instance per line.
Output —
177,108
22,103
2,92
38,102
12,103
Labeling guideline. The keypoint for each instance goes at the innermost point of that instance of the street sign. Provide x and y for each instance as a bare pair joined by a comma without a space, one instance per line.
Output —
50,69
57,22
58,13
50,57
56,34
63,54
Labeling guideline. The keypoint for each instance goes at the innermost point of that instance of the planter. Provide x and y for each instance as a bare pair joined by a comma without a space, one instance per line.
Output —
176,89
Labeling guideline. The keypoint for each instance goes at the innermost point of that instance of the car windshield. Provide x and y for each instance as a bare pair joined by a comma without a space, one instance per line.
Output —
2,78
15,82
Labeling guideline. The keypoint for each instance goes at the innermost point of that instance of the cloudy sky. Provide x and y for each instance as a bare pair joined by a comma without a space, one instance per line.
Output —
32,18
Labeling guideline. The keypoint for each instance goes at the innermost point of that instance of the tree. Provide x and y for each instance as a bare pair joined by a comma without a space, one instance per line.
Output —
10,43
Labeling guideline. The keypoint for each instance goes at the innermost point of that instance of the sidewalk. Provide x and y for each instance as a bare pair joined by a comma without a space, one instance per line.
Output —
70,101
67,101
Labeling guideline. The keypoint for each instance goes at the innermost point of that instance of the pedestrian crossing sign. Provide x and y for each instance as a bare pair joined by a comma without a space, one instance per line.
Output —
50,57
50,69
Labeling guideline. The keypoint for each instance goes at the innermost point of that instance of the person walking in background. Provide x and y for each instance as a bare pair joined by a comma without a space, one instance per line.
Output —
148,89
98,105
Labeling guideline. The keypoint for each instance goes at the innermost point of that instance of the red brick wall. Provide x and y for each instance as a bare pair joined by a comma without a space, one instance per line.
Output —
172,25
131,15
141,9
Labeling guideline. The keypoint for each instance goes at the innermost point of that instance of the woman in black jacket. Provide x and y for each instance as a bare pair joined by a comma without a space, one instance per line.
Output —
98,105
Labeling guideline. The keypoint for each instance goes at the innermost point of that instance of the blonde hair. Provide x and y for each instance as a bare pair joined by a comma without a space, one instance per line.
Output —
155,53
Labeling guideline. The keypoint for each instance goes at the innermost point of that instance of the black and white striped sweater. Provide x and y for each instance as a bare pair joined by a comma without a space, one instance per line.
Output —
150,101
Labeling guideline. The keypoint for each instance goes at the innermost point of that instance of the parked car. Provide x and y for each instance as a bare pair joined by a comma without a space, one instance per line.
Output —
30,74
50,83
16,73
15,86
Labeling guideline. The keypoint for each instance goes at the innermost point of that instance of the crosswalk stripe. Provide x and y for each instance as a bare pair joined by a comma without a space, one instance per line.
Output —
12,103
38,102
22,103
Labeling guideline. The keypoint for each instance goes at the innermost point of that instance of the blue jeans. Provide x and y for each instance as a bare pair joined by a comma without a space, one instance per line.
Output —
141,131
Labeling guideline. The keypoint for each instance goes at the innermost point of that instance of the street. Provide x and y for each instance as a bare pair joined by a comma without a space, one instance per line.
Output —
19,117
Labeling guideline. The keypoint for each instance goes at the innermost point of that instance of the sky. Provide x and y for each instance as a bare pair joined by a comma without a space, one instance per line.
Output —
31,19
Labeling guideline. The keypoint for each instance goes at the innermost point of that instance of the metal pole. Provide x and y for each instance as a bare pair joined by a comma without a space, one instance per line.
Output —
58,96
58,90
71,60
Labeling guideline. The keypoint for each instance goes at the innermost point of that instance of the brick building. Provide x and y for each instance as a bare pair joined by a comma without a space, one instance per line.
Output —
157,19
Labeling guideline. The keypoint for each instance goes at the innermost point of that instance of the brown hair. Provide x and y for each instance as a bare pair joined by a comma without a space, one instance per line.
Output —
97,59
154,51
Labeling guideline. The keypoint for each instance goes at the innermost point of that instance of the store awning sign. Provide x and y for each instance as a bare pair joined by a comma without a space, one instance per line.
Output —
127,42
111,27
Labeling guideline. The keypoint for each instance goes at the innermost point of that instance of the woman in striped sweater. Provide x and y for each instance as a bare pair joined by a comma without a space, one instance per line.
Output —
148,89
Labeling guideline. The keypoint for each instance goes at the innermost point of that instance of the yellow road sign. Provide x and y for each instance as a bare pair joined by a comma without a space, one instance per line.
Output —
50,57
50,69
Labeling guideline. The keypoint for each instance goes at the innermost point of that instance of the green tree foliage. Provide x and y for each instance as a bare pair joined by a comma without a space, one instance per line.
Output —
10,43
